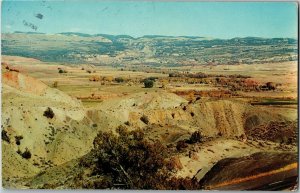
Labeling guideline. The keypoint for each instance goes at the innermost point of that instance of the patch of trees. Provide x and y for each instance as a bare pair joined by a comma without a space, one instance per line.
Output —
203,75
243,83
205,93
129,161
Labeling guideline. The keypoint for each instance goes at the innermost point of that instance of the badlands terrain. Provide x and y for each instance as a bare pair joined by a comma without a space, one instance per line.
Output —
222,129
51,119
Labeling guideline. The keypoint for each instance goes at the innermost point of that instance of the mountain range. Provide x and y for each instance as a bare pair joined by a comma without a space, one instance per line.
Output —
153,50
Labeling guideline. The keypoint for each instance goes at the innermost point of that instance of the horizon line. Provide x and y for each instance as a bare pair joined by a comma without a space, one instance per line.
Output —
159,35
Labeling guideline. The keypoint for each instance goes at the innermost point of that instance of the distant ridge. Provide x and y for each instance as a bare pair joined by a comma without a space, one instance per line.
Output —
76,33
153,50
115,37
20,32
165,36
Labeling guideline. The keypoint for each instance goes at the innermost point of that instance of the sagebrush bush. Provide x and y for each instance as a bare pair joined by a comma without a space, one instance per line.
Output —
181,145
62,71
145,119
130,161
26,154
49,113
119,79
195,137
18,139
4,136
148,83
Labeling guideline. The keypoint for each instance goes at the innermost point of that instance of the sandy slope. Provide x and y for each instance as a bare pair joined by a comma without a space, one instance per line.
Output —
69,134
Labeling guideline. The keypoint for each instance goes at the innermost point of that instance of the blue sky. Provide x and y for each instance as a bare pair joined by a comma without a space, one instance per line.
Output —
208,19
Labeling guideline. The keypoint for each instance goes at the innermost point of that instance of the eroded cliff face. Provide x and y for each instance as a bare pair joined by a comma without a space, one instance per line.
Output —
211,117
50,141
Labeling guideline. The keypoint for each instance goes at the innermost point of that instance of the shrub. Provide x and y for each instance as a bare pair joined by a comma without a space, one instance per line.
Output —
4,136
148,83
145,119
18,139
61,71
172,75
129,161
128,158
26,154
49,113
181,145
119,79
271,86
195,137
89,71
173,115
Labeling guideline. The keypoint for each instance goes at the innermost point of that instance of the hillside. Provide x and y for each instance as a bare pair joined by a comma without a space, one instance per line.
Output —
50,140
69,134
